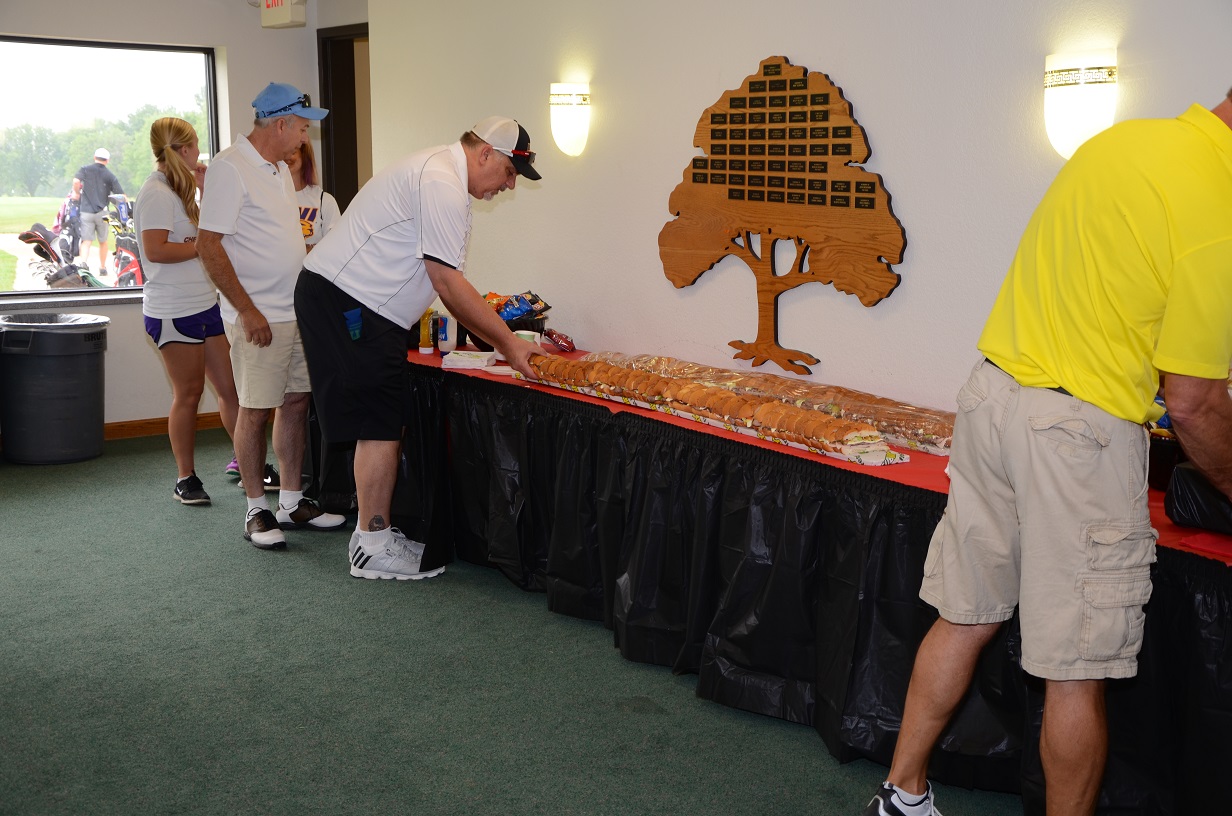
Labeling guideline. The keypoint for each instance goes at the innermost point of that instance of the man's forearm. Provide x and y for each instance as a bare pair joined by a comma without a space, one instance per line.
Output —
218,266
468,306
1201,413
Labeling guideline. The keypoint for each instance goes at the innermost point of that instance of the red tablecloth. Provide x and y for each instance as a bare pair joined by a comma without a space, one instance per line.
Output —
924,471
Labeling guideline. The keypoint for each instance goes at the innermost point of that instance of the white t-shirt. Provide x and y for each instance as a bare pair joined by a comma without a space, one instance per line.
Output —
171,289
318,212
417,207
251,202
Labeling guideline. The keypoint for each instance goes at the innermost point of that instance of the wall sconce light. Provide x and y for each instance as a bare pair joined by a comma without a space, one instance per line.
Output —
1080,92
569,103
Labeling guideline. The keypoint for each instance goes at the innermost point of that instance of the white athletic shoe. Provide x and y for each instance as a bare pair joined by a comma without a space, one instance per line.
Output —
395,557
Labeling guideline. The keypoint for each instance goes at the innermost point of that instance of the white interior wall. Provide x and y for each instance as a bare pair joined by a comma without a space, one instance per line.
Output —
949,93
330,13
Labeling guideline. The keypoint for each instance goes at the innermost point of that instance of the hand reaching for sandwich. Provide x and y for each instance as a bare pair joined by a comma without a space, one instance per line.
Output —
518,354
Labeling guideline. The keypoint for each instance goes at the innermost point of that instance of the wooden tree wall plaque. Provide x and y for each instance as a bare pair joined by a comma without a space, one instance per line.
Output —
781,162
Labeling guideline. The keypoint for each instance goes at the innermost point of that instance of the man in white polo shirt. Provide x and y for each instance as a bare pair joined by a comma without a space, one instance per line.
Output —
400,244
251,244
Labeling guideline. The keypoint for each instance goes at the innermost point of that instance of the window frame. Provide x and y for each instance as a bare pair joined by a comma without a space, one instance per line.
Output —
83,296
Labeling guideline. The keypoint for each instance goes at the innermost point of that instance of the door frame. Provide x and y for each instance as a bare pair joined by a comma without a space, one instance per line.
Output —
339,147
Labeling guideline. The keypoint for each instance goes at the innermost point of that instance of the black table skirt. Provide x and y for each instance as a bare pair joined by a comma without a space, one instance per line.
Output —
789,587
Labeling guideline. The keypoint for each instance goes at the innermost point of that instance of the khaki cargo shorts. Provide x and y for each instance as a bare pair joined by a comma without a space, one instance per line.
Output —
1048,512
264,375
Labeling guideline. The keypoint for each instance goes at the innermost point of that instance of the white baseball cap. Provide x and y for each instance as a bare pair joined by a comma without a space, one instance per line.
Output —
511,139
102,153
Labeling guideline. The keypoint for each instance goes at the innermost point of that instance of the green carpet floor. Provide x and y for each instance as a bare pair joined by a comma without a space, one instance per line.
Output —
152,661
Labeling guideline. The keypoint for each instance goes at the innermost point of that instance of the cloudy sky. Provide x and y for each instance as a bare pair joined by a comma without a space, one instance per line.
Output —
60,87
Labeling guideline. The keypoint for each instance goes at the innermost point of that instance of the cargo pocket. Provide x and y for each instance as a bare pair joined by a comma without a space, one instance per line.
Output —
1112,613
970,396
1117,546
1071,435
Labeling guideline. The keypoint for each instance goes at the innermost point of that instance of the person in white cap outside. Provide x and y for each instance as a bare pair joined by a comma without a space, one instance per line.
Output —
400,244
92,185
251,244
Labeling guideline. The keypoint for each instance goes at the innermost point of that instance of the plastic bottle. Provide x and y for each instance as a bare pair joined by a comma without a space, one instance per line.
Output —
425,333
446,333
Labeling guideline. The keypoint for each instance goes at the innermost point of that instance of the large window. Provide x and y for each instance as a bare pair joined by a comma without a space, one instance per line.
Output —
61,102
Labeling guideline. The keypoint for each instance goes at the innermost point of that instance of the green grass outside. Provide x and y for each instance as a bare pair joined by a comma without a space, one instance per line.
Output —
17,213
8,271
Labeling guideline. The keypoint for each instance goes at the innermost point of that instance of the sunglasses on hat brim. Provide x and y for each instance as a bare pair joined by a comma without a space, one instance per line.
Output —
305,101
527,155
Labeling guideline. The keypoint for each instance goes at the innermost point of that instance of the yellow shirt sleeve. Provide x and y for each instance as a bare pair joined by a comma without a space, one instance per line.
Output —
1195,338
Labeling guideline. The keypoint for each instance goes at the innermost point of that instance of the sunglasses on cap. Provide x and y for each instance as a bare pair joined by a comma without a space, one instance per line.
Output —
304,101
529,155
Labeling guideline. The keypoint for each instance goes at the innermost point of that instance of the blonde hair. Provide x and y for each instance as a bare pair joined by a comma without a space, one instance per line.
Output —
167,135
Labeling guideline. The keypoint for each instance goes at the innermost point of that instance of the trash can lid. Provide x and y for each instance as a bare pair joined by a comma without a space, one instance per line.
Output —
53,322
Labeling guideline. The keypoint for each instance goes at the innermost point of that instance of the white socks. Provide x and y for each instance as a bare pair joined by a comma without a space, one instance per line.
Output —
912,804
289,499
369,539
257,504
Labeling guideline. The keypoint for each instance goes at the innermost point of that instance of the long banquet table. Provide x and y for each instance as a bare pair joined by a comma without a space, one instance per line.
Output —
787,581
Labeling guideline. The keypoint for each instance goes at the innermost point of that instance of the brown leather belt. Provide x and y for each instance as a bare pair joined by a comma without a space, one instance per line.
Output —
1058,389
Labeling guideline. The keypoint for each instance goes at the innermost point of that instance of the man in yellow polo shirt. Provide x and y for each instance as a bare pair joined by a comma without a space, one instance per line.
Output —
1123,277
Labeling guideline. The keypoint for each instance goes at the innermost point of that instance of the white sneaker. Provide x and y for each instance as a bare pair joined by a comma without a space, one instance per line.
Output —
308,516
395,556
887,803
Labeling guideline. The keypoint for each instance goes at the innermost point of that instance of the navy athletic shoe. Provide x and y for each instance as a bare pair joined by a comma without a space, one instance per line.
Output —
190,491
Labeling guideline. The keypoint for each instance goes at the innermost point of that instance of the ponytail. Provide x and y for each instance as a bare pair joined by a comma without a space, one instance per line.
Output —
166,136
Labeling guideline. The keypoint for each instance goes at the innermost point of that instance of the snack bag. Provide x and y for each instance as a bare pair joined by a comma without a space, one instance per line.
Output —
511,307
537,304
496,301
515,306
563,341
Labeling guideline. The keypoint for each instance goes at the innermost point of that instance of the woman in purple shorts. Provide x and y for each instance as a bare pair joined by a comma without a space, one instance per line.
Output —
179,302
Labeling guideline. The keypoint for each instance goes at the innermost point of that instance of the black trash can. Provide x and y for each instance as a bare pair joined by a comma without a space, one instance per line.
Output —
51,382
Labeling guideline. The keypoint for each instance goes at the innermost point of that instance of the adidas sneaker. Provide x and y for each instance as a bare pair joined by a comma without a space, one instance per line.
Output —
396,557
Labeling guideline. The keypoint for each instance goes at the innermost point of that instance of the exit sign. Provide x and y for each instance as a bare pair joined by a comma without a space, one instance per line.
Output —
283,13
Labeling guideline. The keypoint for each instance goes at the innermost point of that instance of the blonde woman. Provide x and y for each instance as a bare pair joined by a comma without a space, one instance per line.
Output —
179,302
318,210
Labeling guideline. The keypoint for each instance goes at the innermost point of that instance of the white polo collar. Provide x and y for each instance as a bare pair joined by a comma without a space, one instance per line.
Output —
250,154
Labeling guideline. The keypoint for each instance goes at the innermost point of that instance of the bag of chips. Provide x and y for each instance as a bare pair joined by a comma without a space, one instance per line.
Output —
511,307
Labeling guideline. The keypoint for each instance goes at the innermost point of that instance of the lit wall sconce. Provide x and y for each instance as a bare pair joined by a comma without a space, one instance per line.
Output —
569,103
1080,92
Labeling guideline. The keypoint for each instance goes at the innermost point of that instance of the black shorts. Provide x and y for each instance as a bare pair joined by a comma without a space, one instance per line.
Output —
356,361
